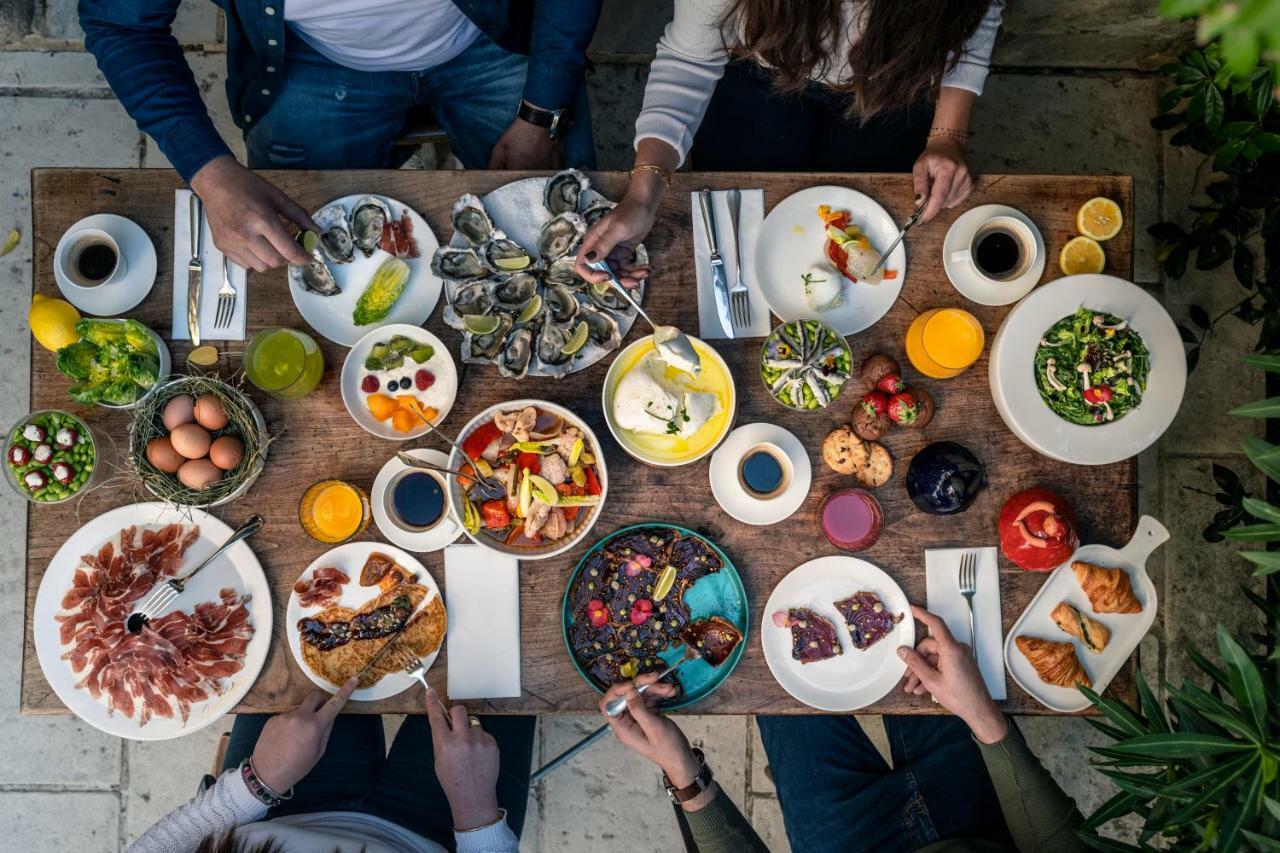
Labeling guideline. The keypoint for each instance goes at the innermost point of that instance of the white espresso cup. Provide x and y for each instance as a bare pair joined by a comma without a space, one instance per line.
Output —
72,259
1001,250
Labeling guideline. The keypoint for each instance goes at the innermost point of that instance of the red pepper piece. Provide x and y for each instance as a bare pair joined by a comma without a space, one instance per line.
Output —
475,443
495,514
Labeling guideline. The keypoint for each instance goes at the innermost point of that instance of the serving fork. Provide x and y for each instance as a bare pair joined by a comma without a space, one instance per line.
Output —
226,299
968,588
739,296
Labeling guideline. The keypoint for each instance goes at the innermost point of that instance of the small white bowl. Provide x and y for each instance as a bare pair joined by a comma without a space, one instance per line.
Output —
166,365
441,364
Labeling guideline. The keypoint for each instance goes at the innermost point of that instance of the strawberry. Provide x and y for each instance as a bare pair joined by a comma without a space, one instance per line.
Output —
903,409
875,403
891,384
423,379
370,384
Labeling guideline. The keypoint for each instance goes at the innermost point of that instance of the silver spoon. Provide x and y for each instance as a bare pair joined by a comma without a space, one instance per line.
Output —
490,484
672,344
483,489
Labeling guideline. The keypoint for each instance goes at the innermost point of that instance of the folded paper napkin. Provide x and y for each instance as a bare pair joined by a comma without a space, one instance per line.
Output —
942,589
482,593
751,217
210,279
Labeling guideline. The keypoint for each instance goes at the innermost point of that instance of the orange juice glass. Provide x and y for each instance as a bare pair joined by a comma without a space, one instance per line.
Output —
333,511
943,342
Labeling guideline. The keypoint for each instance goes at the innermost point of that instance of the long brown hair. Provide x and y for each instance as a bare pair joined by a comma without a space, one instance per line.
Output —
905,48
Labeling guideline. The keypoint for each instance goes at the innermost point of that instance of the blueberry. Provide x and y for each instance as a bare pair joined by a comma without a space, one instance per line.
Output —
405,382
392,385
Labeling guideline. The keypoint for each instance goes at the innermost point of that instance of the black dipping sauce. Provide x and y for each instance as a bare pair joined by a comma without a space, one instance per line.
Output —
418,499
762,472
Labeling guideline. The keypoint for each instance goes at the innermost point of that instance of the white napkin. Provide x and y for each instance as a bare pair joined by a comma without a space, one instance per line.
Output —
210,279
942,590
751,216
482,593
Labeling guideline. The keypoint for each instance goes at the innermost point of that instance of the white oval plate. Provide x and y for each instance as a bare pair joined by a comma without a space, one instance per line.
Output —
446,532
740,503
350,558
855,679
966,279
1127,629
783,255
330,316
1013,381
108,300
441,395
237,568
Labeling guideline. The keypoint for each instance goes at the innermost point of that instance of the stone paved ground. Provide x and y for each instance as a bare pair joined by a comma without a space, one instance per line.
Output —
1072,92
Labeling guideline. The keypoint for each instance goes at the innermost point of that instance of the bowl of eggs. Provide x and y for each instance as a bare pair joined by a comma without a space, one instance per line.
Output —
197,441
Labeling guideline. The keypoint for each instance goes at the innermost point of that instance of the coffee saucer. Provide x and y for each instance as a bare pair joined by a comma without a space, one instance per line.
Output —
117,297
444,533
727,486
966,279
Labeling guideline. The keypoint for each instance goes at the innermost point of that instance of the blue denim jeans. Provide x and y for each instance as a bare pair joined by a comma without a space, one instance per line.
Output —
838,795
331,117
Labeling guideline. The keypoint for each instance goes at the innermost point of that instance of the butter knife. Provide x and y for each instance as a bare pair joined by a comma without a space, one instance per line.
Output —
906,226
195,270
719,281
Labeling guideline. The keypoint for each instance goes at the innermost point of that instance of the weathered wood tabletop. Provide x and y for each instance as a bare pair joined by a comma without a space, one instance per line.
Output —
317,439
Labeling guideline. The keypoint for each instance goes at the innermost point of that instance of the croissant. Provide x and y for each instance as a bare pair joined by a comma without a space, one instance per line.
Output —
1089,631
1055,663
1109,590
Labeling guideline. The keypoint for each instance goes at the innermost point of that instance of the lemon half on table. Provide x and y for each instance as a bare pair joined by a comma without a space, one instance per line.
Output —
1082,255
1099,218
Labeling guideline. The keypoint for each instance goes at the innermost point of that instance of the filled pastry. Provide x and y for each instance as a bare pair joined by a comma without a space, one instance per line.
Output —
1055,663
1109,590
1089,631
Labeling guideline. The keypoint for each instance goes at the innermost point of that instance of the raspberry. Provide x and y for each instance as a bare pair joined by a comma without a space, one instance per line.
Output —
423,379
370,384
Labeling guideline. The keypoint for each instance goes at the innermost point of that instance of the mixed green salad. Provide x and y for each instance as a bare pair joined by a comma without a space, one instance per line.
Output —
114,362
1091,368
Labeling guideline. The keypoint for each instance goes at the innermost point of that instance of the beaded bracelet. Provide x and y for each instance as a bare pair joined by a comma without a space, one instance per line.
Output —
260,789
657,170
960,136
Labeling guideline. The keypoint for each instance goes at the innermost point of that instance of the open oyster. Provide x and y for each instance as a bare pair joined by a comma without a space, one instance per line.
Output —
316,276
505,255
562,271
517,352
472,221
481,349
473,298
606,296
560,235
335,233
596,209
564,191
551,343
559,303
603,328
514,291
368,216
458,264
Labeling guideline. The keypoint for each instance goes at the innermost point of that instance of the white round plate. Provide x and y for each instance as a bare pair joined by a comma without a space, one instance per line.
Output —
444,533
440,396
965,277
740,503
1013,382
237,568
350,558
792,240
854,679
108,300
330,316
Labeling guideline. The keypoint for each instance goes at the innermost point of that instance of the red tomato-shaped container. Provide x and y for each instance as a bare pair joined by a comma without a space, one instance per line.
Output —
1038,530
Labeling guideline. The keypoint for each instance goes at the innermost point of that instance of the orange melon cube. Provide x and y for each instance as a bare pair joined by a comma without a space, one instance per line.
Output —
404,421
381,406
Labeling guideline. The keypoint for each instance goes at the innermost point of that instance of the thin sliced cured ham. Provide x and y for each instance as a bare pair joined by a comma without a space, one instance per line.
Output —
322,589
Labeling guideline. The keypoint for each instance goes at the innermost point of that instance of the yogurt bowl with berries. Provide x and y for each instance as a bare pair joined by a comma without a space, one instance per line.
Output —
49,456
395,377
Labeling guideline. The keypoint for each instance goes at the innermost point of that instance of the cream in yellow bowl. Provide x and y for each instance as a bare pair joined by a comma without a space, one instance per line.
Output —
664,416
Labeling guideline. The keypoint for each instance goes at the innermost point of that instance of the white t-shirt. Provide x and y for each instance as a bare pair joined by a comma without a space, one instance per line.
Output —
383,35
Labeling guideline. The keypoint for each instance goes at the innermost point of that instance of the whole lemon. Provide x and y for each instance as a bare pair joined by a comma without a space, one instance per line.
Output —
53,322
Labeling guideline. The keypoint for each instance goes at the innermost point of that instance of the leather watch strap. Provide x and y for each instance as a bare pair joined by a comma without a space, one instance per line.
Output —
556,122
700,783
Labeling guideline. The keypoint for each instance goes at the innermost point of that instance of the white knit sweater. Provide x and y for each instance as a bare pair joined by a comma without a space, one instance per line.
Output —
691,57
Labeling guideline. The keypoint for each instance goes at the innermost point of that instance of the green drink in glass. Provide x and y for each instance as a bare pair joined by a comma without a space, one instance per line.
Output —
285,363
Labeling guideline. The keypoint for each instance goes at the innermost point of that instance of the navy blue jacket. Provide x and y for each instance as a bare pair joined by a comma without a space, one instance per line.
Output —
143,62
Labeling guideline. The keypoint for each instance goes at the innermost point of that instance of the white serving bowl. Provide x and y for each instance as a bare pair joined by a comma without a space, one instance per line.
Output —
441,364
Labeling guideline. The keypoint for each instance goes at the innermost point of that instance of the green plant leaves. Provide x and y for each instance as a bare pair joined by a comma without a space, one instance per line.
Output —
1246,681
1161,748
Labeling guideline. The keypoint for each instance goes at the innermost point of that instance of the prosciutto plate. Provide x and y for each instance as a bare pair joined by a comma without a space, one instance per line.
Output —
186,668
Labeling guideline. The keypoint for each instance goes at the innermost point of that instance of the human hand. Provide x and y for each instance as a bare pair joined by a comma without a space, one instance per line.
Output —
245,213
616,235
291,744
941,666
648,733
526,146
466,764
941,176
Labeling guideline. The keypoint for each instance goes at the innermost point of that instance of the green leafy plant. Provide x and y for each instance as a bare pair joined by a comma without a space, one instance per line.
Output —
1249,30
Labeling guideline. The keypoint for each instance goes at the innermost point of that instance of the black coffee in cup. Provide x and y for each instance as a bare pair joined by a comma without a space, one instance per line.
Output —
1002,249
764,471
96,262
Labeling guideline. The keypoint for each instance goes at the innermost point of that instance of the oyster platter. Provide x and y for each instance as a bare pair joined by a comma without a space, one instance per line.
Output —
510,284
369,266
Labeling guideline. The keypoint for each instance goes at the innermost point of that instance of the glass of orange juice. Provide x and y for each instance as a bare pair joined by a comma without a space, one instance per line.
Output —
333,511
943,342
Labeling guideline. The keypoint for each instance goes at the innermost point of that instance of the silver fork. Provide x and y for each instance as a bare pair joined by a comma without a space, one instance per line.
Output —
414,667
968,588
226,300
739,296
166,593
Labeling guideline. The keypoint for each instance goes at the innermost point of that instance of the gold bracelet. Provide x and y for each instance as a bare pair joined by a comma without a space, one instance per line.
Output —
665,174
961,136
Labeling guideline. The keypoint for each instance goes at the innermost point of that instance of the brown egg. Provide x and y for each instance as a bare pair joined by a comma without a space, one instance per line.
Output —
178,411
210,413
191,440
199,474
226,452
162,456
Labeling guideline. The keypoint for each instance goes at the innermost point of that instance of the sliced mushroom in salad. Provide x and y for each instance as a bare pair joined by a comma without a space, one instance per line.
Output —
1091,367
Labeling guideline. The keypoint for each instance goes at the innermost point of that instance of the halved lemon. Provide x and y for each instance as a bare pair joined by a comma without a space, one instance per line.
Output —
1099,218
577,340
1082,255
481,324
531,310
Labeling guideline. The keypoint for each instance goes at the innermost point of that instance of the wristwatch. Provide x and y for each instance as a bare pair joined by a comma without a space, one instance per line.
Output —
556,122
700,783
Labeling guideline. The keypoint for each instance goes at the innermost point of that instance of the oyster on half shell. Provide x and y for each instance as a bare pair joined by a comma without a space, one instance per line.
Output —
517,352
560,235
335,233
316,276
505,255
562,271
454,264
368,216
481,349
602,328
473,298
551,343
472,221
559,303
596,209
563,192
514,291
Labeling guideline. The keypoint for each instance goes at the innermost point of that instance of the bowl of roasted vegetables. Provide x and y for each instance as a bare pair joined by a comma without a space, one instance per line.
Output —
115,363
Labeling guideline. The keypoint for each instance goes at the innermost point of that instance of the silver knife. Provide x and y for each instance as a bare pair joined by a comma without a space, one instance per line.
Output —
906,226
195,270
718,280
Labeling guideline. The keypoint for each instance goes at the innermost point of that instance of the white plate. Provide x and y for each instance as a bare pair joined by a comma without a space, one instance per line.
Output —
1127,629
854,679
783,255
443,534
966,278
350,558
1013,381
237,568
440,396
108,300
330,316
740,503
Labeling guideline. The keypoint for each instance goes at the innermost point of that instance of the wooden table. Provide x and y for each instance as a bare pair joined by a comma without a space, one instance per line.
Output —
317,439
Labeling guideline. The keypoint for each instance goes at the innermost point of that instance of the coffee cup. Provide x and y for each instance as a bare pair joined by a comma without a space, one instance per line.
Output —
417,505
1001,250
90,258
764,471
